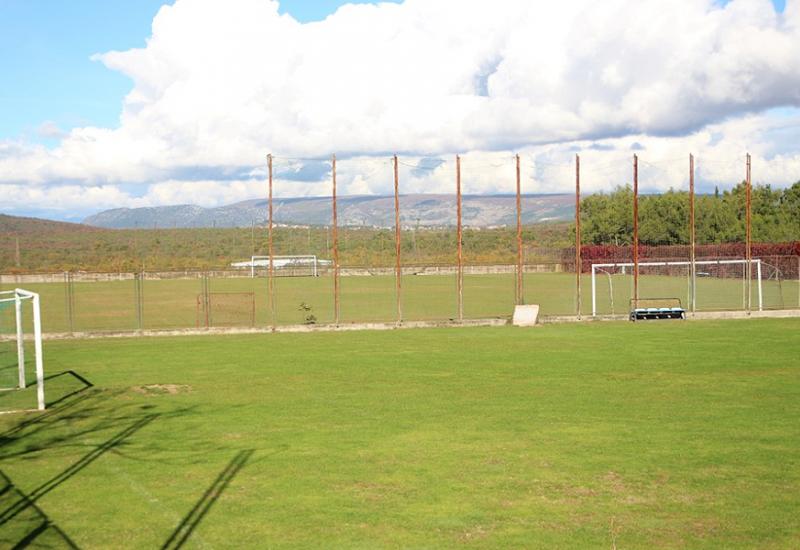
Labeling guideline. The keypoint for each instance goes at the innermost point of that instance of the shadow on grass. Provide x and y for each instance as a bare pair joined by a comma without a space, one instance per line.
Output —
22,504
84,385
190,522
36,527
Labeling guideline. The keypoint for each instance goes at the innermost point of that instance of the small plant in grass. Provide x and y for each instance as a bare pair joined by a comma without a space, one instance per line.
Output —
308,317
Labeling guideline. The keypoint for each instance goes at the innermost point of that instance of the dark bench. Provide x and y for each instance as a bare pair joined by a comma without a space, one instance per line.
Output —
648,309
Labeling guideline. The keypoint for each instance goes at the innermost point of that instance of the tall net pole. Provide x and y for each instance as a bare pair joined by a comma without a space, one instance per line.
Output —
578,263
398,270
520,298
748,236
335,236
692,240
636,229
460,239
270,249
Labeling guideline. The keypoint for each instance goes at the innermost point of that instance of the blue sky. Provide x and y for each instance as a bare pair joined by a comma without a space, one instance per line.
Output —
46,74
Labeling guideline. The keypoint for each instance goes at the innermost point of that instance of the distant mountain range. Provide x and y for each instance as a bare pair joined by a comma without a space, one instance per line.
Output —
415,210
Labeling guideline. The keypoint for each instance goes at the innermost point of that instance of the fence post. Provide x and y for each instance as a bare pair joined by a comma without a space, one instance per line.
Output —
636,230
692,238
519,286
460,239
397,235
578,262
335,236
748,239
270,245
139,297
69,296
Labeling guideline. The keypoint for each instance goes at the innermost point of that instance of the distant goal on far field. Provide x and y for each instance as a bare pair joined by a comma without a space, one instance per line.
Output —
20,352
301,265
715,284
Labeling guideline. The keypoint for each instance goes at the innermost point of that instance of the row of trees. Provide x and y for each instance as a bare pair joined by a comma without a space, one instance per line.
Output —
719,218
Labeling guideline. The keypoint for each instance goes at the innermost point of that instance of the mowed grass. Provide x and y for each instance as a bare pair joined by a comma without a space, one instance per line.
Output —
662,434
168,304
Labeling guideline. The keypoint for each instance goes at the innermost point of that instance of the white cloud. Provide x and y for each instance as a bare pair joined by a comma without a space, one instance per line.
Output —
220,84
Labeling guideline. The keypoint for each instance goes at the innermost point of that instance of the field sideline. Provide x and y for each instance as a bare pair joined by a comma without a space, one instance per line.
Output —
565,436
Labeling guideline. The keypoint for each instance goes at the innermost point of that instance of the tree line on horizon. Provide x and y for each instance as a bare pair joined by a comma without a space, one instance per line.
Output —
607,218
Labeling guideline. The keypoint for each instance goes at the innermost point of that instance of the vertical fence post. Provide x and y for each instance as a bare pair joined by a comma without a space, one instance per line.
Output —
578,262
69,297
636,230
398,269
519,287
692,239
271,283
139,286
460,239
748,239
335,247
207,301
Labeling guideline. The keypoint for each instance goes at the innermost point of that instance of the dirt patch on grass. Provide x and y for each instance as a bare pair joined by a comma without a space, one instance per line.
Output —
162,389
475,533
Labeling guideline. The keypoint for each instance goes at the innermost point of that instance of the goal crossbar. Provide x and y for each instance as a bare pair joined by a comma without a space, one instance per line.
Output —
18,296
687,263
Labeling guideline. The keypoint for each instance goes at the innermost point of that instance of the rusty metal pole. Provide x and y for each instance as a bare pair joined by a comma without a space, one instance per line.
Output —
520,297
460,237
335,236
398,269
270,250
748,237
578,262
636,230
692,239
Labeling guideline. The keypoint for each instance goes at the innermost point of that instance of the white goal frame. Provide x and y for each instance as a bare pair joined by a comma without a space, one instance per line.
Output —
314,262
692,279
18,296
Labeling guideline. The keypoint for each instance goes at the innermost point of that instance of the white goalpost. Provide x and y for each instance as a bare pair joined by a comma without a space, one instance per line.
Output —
669,267
15,300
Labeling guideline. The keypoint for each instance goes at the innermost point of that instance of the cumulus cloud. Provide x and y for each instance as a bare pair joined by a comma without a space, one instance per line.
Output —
220,84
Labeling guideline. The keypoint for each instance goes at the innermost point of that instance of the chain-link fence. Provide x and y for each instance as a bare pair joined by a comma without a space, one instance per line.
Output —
437,250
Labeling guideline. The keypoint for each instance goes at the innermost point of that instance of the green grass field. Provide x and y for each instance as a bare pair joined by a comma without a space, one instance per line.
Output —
668,435
168,304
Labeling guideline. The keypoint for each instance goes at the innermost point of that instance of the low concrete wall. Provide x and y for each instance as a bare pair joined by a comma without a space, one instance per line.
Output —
544,320
268,330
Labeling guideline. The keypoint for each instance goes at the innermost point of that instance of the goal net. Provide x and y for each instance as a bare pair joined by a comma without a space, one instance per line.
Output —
21,362
716,285
226,309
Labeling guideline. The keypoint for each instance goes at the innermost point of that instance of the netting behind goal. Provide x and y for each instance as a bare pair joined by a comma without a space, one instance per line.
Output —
719,285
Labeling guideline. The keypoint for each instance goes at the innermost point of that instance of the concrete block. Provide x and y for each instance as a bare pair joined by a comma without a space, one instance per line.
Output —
525,316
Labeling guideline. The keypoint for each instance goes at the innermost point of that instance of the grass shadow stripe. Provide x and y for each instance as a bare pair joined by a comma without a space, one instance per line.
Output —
72,470
190,522
46,523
